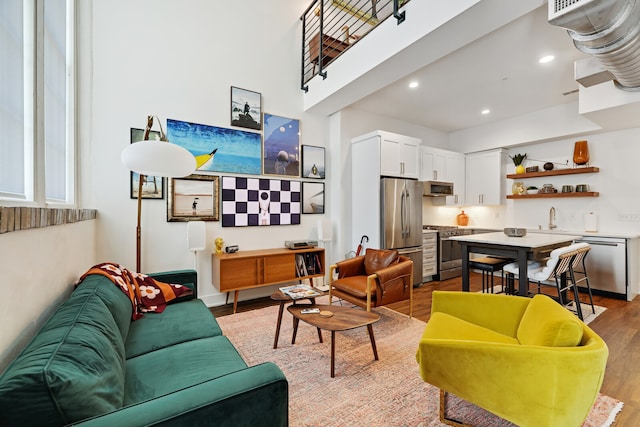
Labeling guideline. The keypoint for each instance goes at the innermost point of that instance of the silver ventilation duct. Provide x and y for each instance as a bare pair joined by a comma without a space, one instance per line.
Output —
609,30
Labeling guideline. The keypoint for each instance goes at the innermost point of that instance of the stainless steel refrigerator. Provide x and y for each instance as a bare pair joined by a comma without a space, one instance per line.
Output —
401,220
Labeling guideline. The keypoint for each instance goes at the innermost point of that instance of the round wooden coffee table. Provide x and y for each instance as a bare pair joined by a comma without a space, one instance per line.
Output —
343,318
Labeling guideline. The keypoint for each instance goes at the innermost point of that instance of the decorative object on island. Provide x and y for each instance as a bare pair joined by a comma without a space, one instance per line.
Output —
155,158
518,159
581,153
462,219
518,188
515,232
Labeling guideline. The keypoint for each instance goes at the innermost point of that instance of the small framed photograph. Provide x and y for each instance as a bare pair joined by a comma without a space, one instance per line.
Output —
193,198
313,197
281,146
152,186
246,108
312,162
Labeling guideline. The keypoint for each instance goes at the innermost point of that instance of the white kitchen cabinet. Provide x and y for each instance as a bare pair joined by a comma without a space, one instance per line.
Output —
444,165
397,155
485,184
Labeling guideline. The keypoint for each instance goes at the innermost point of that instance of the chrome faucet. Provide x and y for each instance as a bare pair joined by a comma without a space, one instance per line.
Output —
552,216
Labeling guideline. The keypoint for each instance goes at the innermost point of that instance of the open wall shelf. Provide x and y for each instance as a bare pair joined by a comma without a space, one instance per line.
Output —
554,195
590,169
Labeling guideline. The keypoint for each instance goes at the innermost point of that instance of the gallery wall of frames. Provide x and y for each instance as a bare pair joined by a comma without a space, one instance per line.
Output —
254,173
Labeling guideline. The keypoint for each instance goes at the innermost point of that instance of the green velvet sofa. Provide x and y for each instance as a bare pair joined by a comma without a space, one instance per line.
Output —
90,365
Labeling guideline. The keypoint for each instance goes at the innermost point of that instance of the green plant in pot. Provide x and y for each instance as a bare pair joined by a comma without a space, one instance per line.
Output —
518,161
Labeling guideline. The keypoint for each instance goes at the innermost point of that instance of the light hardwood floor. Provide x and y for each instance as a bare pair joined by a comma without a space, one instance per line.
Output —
619,326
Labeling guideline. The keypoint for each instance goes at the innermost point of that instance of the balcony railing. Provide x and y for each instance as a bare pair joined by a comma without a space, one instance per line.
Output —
330,27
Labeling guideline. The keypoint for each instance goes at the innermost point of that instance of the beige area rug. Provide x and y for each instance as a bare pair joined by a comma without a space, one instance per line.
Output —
387,392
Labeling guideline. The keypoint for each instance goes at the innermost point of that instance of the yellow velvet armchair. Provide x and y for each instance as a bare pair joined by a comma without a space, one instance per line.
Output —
379,277
527,360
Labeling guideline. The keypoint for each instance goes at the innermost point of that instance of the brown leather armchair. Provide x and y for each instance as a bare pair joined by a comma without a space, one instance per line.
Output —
379,277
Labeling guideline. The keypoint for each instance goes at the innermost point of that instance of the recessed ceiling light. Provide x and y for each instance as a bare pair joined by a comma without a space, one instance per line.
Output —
413,85
485,111
546,59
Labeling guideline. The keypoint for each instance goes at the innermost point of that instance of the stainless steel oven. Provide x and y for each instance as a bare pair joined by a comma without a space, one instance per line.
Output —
449,252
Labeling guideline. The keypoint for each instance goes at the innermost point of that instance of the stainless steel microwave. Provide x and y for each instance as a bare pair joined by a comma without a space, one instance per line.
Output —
437,188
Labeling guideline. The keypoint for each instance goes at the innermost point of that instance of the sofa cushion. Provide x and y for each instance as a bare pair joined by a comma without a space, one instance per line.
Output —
377,259
354,285
186,321
547,323
71,370
182,365
116,301
447,327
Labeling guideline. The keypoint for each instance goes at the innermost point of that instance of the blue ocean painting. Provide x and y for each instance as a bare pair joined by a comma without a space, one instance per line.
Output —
218,149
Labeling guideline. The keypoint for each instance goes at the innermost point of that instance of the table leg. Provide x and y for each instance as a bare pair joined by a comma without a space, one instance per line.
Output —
296,321
235,301
275,341
523,278
333,353
465,266
373,342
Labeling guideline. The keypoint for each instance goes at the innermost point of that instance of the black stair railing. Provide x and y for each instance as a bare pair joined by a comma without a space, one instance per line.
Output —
330,27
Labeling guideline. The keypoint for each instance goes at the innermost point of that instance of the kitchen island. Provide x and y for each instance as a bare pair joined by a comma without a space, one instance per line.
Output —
533,246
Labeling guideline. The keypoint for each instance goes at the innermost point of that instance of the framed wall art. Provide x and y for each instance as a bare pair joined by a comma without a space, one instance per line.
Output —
193,198
281,147
313,162
246,108
152,186
313,197
259,202
218,149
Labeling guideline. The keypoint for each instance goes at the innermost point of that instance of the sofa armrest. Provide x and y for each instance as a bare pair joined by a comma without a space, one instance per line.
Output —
500,313
188,278
256,396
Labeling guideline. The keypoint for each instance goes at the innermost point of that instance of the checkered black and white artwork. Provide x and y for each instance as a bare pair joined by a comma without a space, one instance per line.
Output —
257,201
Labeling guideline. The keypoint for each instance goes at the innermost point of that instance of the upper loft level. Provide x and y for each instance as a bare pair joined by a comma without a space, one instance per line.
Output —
386,51
330,27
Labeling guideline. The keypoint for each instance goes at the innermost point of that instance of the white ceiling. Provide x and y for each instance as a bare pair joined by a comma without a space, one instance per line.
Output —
499,71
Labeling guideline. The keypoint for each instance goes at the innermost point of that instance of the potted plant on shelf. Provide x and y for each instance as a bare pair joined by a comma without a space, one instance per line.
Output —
518,159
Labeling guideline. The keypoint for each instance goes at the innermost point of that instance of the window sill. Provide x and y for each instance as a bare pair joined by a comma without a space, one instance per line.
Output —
24,218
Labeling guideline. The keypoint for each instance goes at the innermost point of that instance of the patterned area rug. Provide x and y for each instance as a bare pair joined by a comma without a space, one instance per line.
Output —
387,392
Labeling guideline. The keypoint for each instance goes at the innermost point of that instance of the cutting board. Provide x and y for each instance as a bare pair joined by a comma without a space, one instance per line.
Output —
590,222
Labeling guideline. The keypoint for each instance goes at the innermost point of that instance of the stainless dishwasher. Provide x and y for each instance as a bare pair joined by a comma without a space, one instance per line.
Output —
606,265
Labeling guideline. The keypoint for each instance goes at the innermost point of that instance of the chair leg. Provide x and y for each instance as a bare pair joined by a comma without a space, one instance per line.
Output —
443,412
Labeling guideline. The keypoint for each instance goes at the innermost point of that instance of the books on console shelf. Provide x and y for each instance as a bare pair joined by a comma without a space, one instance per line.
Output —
301,291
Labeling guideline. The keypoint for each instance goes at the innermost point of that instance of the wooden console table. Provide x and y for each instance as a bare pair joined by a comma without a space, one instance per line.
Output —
264,267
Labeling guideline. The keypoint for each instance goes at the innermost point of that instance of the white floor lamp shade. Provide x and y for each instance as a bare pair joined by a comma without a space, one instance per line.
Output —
155,158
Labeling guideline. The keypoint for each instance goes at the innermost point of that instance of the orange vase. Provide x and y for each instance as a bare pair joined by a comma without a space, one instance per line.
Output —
462,219
581,153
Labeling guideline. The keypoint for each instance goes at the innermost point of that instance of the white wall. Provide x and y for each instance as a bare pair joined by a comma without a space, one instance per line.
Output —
178,59
39,267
